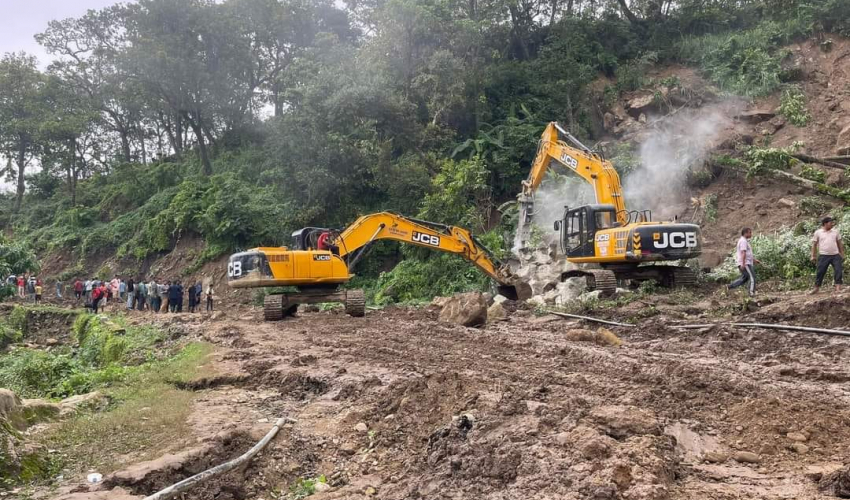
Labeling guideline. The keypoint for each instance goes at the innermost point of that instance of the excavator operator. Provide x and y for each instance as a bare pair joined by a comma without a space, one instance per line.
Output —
325,242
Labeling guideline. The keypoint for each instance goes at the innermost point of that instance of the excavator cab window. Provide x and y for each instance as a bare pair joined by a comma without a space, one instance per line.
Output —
580,225
606,219
575,229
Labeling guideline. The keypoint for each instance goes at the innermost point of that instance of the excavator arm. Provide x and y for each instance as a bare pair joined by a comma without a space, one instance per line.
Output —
599,173
354,241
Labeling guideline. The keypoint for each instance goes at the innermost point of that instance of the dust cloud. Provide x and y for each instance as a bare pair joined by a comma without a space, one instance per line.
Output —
670,150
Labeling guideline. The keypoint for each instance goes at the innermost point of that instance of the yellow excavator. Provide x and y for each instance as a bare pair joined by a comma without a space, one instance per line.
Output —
322,259
621,242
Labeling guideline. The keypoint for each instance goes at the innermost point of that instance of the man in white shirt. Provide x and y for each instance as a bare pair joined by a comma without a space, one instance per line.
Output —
746,261
828,250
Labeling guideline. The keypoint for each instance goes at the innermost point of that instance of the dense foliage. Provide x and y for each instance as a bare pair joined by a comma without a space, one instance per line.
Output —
241,120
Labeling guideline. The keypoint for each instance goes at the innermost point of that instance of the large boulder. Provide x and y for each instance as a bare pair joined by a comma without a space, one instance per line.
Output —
466,309
11,410
496,312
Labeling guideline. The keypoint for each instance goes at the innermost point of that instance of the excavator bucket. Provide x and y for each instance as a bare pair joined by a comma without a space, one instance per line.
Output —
518,291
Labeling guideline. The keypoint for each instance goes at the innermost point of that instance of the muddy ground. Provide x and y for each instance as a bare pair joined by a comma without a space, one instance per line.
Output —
397,405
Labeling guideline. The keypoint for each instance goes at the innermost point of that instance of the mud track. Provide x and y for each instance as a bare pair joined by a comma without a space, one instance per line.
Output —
396,405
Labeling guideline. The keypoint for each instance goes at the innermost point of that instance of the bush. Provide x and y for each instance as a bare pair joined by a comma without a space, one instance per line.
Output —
813,174
763,159
746,62
813,206
793,106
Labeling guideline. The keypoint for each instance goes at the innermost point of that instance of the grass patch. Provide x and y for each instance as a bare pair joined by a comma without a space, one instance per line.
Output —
747,62
147,414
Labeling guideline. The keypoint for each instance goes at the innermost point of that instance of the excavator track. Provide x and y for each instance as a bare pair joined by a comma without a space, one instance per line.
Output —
273,307
683,277
355,303
602,280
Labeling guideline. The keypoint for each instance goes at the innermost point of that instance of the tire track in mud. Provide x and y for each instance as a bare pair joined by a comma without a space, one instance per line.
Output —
396,405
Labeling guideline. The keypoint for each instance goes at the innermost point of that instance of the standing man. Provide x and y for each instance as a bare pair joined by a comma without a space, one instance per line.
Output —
115,286
191,299
174,294
88,288
153,296
209,298
131,297
828,250
21,282
746,261
58,289
78,289
179,296
141,294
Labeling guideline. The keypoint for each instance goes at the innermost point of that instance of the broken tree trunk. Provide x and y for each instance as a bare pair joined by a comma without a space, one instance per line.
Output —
821,161
796,179
844,160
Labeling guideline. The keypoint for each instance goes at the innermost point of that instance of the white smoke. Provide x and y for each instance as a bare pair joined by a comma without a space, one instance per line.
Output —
557,192
674,145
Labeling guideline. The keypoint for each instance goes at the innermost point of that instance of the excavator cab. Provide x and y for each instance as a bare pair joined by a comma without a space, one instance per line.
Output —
579,226
307,238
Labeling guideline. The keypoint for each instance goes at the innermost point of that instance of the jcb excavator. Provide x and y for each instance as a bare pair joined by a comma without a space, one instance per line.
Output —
317,274
620,241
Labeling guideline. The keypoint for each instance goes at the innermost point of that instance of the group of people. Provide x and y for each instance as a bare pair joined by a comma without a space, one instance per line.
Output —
827,251
29,287
142,295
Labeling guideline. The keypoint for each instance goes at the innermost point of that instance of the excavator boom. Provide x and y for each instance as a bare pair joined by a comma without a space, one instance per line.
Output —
354,241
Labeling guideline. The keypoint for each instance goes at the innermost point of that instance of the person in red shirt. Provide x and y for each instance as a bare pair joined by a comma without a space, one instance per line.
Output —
322,242
78,289
21,286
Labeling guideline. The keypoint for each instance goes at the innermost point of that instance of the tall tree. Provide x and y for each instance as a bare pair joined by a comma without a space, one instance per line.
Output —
186,54
88,51
69,116
21,114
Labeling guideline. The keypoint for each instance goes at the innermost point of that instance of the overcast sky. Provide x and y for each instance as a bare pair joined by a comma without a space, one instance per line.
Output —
20,20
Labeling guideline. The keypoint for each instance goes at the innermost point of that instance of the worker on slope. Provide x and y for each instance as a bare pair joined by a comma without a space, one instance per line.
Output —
828,250
746,262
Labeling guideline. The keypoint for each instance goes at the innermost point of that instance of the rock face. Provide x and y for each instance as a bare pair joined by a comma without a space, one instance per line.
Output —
466,309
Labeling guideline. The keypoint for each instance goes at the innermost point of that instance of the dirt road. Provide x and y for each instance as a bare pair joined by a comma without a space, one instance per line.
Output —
397,405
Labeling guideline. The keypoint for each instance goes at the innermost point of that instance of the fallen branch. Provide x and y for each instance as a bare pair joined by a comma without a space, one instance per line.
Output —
822,161
824,331
844,159
793,179
794,328
588,318
187,483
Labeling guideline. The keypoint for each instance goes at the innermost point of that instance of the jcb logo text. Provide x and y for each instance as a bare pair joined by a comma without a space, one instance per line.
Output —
676,240
426,239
